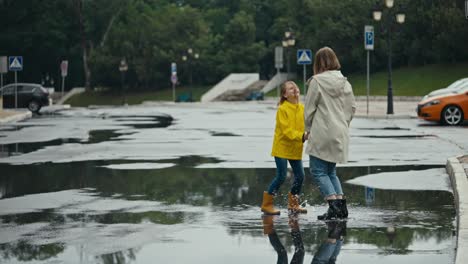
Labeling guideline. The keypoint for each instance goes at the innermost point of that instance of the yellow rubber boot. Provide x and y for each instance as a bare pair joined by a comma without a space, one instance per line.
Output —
268,227
293,204
267,205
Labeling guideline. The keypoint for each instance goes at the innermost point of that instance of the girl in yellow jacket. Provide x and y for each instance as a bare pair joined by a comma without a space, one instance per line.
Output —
287,146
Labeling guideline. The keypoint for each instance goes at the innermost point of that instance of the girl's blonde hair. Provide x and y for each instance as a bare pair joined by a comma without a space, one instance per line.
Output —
283,88
326,60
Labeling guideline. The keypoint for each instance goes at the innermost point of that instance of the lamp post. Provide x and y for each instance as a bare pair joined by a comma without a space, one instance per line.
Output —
399,17
123,68
288,41
188,57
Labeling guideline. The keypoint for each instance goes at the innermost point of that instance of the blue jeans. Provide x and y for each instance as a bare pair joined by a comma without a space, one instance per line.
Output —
324,175
281,170
328,252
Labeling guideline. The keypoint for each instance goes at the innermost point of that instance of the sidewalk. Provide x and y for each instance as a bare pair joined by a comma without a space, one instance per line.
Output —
403,107
457,168
378,109
8,116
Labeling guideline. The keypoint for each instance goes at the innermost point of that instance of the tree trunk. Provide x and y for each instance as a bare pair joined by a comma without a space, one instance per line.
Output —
87,71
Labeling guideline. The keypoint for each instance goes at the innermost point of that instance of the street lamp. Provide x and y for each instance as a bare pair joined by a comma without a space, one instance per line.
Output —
188,58
288,41
399,17
123,68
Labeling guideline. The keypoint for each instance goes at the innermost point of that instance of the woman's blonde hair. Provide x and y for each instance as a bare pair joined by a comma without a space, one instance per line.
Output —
326,60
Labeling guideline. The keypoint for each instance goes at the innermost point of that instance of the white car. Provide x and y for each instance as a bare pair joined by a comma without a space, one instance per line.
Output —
452,88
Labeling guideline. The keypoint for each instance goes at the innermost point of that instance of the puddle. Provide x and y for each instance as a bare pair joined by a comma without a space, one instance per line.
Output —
21,148
162,121
223,134
95,136
385,128
50,209
399,136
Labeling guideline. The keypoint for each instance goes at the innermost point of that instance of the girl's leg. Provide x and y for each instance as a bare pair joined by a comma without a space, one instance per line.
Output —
298,171
293,197
281,169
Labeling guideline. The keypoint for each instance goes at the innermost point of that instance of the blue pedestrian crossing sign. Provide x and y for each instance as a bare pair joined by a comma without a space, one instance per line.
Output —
15,63
368,37
370,195
304,56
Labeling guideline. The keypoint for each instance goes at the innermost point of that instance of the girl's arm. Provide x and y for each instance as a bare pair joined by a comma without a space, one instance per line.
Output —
288,131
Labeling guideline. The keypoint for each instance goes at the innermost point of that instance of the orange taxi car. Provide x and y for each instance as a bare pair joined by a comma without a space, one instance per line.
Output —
448,109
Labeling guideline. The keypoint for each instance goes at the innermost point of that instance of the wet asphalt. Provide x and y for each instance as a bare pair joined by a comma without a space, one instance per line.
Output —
165,183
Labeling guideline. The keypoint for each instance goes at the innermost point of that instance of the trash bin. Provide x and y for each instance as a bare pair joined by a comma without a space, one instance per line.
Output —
185,97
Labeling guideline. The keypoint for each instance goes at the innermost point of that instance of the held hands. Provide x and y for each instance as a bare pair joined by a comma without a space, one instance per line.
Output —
305,136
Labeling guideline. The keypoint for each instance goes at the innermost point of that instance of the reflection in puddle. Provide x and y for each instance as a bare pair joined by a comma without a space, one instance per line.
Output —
182,207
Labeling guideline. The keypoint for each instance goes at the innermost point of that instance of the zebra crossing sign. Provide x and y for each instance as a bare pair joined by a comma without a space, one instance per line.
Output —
15,63
304,56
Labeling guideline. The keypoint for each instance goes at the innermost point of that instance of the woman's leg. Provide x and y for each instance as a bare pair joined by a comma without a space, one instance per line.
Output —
335,180
281,169
339,191
298,171
319,170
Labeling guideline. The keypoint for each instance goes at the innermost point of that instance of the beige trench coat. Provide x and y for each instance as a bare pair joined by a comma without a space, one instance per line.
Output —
329,109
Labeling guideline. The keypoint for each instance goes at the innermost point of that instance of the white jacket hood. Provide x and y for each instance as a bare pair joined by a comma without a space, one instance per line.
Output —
332,82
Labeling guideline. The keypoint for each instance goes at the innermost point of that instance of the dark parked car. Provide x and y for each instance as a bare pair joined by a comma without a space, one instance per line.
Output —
30,95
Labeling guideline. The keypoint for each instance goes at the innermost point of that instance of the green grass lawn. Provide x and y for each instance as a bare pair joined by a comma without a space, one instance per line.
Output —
410,81
407,81
108,98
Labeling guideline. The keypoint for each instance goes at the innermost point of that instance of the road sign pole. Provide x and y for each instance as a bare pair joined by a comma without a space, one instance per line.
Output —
1,77
305,89
174,80
368,83
277,87
173,92
368,46
16,90
304,57
63,85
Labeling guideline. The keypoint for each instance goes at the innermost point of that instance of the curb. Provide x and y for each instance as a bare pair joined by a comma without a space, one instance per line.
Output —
383,98
18,116
371,116
459,182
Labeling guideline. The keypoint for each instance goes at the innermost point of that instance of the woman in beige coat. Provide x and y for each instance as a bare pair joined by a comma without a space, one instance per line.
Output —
329,108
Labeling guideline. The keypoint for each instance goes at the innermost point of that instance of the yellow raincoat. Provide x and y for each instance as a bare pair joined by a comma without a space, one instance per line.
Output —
289,129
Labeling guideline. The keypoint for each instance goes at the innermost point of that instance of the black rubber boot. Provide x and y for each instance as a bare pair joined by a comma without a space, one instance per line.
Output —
344,208
333,211
336,229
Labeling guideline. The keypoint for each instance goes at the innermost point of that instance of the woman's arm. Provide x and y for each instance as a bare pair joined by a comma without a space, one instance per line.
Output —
311,102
